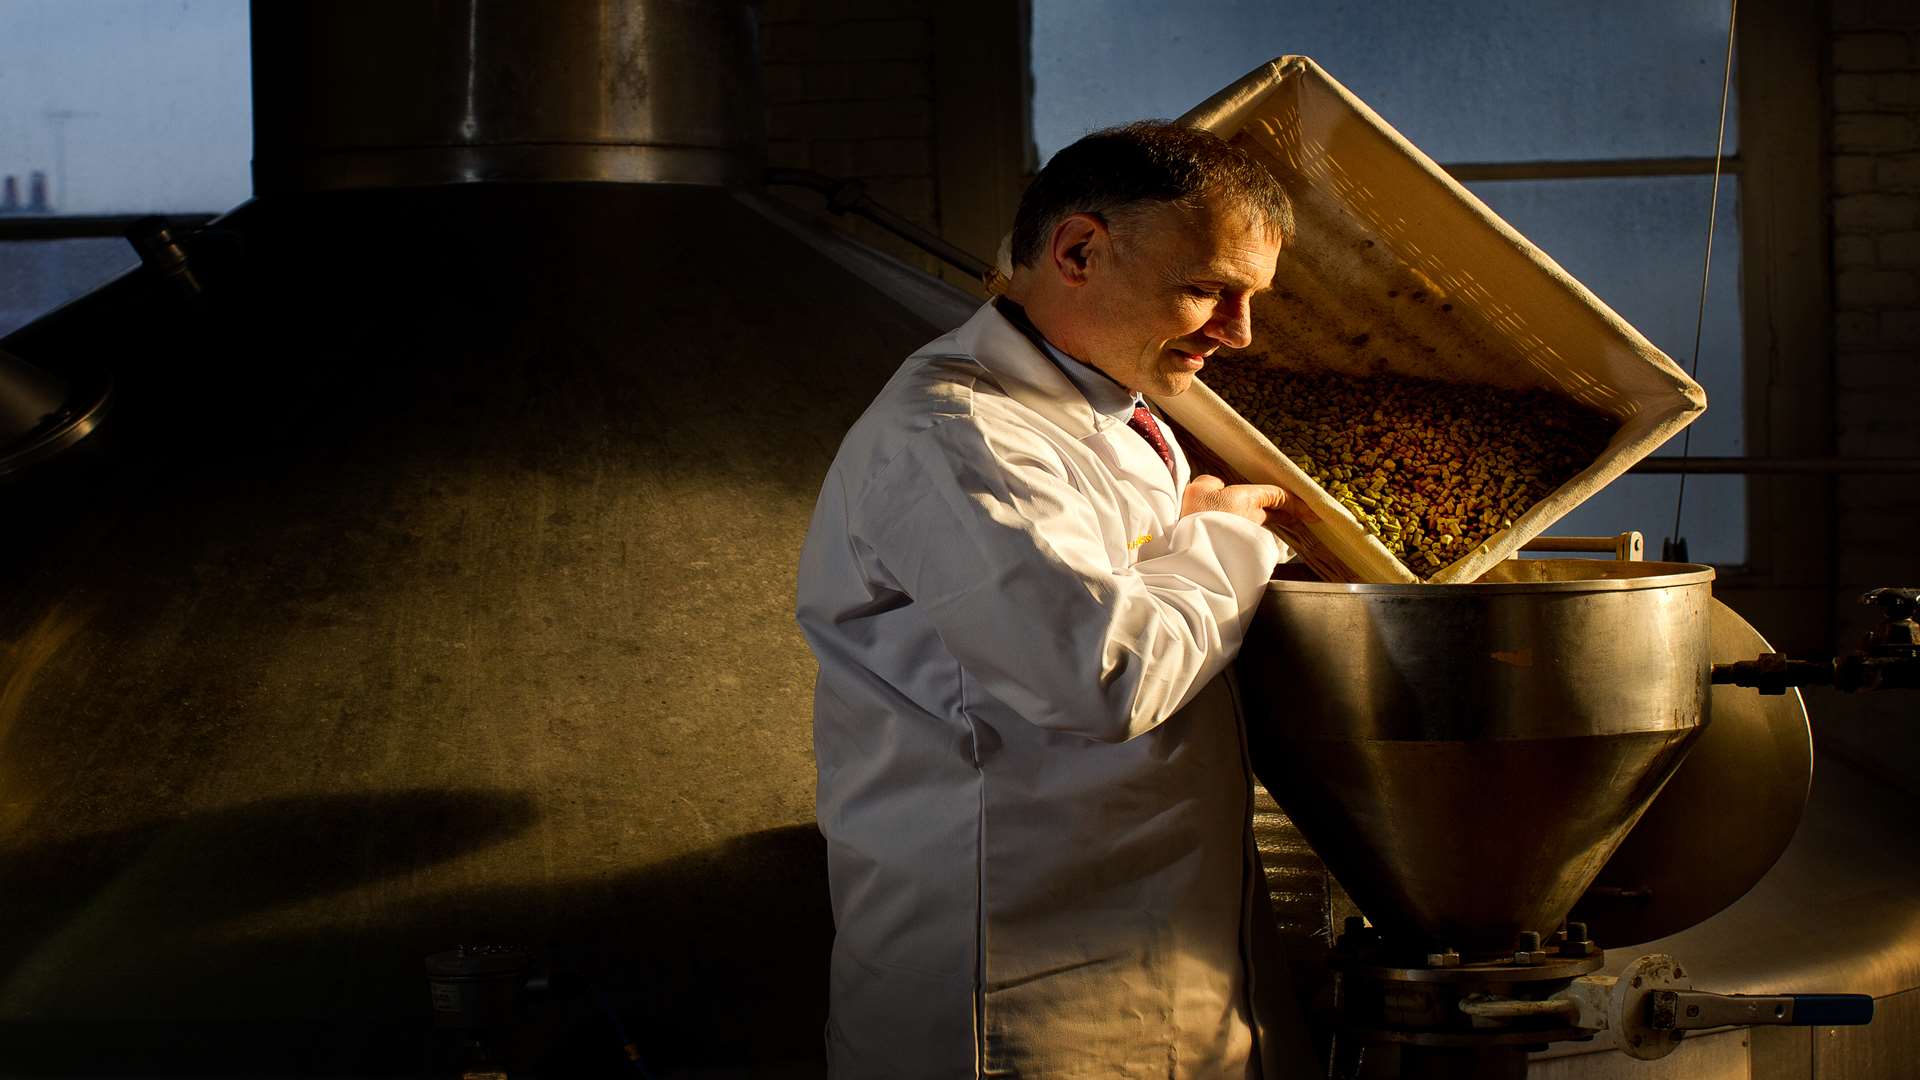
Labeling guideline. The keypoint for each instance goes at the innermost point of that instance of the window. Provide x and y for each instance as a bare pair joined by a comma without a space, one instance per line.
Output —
110,109
1589,127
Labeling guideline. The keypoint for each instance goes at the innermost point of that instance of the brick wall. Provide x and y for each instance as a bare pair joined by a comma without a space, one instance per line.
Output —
1875,157
1876,254
849,94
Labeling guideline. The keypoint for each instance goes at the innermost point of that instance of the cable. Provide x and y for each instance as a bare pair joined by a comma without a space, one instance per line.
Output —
1706,269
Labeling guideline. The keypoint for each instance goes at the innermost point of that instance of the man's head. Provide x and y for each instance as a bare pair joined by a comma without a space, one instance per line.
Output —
1138,249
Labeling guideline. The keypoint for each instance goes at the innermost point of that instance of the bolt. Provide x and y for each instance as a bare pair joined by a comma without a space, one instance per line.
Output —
1446,959
1577,931
1693,1010
1529,941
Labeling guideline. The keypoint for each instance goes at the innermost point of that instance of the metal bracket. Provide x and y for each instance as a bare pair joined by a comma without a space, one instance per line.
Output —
1626,547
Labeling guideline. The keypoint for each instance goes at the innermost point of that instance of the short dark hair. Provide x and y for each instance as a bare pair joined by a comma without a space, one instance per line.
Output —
1148,161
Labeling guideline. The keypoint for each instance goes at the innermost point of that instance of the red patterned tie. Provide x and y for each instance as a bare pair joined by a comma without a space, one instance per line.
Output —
1149,430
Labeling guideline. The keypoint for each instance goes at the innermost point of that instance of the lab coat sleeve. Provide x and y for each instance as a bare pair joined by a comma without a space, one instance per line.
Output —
984,530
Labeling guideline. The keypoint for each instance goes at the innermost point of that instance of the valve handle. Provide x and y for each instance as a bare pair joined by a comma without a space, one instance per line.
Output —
1832,1010
1696,1010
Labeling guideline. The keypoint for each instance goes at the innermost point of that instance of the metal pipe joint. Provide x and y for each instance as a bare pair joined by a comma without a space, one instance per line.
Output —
1651,1005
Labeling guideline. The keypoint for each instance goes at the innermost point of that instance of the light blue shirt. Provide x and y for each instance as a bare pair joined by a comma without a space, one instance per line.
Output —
1101,391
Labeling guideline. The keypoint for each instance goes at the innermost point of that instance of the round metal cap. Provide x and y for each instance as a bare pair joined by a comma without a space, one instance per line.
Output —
65,428
1724,818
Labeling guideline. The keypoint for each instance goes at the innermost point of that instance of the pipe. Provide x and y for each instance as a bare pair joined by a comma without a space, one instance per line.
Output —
1490,1007
850,197
1775,466
1626,546
85,226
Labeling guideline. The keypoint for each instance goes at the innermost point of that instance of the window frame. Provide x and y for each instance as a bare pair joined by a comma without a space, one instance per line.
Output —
1784,285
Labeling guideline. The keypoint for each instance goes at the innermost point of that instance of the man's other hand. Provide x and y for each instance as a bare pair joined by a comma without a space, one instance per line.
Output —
1262,504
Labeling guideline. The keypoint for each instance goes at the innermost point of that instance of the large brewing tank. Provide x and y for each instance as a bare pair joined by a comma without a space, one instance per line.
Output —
1467,757
431,583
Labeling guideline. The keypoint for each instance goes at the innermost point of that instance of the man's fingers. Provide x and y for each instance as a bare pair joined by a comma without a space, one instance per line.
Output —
1288,509
1258,503
1201,493
1256,496
1206,484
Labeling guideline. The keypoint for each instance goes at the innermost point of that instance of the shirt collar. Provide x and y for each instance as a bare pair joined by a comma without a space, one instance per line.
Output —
1101,391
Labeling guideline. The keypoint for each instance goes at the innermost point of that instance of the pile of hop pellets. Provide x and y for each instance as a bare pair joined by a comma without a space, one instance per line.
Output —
1431,468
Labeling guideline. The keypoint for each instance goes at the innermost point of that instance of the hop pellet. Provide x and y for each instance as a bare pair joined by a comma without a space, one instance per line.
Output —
1430,468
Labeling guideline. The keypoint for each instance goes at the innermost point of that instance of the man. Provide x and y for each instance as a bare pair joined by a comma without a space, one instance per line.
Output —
1032,776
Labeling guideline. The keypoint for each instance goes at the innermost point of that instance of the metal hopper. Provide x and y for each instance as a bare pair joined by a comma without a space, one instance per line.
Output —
1466,758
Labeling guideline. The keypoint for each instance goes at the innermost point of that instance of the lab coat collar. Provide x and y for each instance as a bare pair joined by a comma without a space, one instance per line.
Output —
1026,374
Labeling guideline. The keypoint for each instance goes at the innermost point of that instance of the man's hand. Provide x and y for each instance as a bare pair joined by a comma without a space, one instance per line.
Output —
1262,504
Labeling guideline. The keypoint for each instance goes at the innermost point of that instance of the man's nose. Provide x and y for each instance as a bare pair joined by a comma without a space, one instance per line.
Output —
1232,324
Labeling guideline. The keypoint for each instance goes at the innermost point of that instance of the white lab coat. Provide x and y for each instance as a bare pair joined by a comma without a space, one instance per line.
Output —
1032,775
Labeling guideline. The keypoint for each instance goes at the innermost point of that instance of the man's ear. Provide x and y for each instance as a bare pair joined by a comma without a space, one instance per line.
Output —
1079,240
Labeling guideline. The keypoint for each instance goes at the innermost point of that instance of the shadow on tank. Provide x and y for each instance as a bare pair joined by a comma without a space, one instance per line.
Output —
217,862
348,995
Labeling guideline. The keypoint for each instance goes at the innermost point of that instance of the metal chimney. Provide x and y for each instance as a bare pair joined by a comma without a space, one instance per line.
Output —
369,93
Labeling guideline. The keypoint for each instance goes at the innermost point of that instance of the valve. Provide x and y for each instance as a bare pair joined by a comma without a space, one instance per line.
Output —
1651,1006
1888,660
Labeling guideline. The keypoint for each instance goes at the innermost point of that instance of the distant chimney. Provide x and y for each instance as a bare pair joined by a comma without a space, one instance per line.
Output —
10,196
37,192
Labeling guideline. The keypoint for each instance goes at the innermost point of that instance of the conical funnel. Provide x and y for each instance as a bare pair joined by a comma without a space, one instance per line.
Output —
1465,758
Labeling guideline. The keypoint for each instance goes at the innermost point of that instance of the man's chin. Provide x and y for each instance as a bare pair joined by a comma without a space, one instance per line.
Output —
1172,384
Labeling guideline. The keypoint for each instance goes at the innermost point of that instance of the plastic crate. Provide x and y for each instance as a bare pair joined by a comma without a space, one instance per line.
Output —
1397,268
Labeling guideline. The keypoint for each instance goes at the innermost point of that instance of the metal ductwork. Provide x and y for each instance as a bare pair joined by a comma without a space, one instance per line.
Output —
430,584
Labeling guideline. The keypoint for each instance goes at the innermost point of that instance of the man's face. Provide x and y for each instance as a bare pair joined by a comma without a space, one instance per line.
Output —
1175,285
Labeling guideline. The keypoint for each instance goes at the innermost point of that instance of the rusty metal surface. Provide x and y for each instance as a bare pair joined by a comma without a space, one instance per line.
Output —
432,584
1465,758
1724,818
